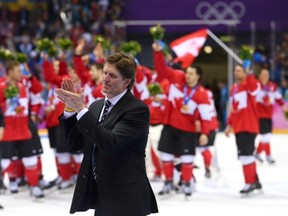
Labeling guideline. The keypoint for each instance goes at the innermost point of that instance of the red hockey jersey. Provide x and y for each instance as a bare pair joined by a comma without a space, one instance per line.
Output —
88,84
243,109
266,98
157,109
15,110
176,116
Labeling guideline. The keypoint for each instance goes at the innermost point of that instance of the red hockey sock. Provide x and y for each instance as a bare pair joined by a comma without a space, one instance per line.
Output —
207,156
187,171
267,148
65,171
168,167
250,173
32,175
156,163
39,166
260,147
11,170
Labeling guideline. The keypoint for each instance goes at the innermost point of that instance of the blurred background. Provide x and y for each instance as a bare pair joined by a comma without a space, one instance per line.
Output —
260,24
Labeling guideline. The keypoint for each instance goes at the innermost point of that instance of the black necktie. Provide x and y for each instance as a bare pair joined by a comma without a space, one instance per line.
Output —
107,104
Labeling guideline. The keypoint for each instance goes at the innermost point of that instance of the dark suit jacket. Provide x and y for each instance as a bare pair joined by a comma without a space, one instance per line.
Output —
121,187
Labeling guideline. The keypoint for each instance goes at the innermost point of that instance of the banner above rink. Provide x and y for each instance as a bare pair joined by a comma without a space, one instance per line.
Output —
215,14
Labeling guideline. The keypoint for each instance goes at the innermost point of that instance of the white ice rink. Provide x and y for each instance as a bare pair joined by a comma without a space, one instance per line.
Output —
214,197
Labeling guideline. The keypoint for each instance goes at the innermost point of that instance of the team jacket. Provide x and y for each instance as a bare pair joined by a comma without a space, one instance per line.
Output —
266,98
198,99
243,108
87,82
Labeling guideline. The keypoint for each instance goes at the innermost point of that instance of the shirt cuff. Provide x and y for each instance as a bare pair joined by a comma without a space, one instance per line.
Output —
68,114
81,113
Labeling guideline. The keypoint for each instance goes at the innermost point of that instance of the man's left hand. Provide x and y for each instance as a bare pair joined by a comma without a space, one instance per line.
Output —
72,96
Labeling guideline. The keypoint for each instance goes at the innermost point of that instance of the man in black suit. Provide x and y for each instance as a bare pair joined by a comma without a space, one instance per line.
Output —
113,132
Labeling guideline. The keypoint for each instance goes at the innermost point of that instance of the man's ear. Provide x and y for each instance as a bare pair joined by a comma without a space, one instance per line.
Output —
128,81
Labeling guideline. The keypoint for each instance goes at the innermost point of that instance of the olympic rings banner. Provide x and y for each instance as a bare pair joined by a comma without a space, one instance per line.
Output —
261,12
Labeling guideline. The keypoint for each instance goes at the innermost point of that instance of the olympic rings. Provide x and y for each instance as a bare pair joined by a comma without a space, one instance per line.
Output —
220,10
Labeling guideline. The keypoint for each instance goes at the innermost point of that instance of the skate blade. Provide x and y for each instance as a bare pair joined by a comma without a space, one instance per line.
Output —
252,193
166,196
38,200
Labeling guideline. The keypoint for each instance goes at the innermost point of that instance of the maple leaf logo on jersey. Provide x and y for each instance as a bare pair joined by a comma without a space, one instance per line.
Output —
235,105
174,93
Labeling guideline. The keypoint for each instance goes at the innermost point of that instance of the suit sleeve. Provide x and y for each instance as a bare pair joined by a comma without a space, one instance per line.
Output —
72,134
127,131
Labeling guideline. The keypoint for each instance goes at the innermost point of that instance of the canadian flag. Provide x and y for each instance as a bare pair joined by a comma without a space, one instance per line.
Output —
187,47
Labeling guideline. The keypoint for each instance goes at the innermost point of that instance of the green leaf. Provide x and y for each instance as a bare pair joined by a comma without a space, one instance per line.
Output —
131,47
64,43
154,89
246,52
157,32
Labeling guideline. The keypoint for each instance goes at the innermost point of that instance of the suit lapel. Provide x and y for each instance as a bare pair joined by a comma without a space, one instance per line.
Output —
114,112
96,110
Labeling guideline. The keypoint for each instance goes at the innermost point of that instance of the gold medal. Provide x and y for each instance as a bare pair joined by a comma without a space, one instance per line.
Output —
185,108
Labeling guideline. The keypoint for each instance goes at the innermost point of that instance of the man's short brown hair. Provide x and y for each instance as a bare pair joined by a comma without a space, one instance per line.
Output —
10,65
125,64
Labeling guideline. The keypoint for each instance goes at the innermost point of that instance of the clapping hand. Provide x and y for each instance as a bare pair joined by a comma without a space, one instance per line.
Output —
71,95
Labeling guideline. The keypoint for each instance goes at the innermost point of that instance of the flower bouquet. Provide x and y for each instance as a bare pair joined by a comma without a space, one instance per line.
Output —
11,92
21,57
157,32
245,54
131,47
64,44
103,41
46,45
6,55
154,89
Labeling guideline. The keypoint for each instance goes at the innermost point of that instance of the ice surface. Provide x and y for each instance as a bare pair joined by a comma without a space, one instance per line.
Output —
217,196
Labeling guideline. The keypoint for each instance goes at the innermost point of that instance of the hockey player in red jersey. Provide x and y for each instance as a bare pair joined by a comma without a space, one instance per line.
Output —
64,157
266,98
244,121
91,77
158,90
16,140
205,150
178,137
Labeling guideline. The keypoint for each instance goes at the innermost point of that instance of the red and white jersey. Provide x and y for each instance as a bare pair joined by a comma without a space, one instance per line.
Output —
266,98
15,111
212,110
243,109
143,77
87,82
157,109
184,102
33,90
58,108
50,76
